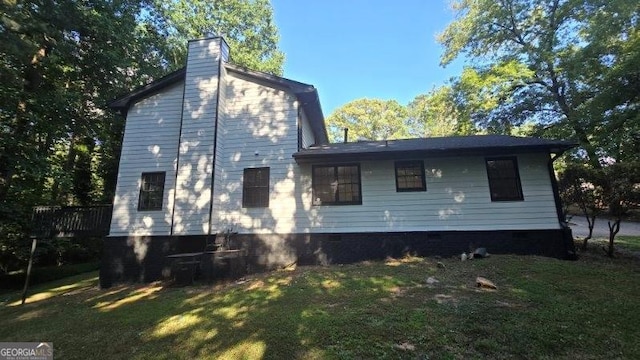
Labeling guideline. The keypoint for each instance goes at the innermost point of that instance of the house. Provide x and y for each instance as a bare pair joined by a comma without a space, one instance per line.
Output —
214,147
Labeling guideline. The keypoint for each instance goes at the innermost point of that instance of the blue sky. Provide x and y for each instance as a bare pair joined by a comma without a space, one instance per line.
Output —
351,49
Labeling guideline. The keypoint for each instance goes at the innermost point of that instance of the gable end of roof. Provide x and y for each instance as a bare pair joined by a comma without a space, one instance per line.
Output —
306,94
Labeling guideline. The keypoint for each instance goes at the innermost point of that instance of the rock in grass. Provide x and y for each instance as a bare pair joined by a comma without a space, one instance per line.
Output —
481,253
405,346
432,281
440,264
485,283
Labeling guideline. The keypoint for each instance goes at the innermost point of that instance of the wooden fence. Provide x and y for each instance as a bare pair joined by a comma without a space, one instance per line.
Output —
70,221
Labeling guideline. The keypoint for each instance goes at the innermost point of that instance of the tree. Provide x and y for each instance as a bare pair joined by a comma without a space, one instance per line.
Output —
371,119
61,62
613,188
247,25
577,188
438,114
576,62
620,186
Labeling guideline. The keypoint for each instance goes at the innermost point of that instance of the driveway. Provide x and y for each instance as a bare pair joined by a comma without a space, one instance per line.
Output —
580,229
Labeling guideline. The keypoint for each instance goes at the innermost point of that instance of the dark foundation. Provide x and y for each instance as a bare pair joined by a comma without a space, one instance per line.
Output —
143,258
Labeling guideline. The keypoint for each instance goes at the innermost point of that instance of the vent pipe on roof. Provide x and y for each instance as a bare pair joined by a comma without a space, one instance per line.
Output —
346,134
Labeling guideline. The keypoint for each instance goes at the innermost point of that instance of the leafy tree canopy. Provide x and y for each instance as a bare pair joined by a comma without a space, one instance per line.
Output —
247,25
370,119
62,61
569,66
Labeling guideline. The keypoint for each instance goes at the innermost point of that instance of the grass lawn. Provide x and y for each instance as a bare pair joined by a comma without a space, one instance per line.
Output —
543,308
628,242
621,242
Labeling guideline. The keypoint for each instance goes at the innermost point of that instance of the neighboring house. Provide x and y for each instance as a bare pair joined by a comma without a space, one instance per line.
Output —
214,147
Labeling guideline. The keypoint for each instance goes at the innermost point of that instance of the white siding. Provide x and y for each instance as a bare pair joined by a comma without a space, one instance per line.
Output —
150,144
259,131
457,198
220,174
307,134
258,127
195,162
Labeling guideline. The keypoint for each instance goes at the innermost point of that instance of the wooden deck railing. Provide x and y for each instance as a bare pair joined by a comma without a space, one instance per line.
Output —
70,221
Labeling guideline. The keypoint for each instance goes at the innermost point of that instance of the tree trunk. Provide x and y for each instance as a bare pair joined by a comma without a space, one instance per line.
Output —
591,221
613,230
19,134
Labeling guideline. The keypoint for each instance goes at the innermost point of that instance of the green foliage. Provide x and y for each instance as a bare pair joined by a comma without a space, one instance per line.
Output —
61,62
578,186
569,66
613,188
437,113
371,119
247,25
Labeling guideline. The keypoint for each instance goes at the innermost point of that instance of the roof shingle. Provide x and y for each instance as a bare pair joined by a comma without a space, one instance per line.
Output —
452,145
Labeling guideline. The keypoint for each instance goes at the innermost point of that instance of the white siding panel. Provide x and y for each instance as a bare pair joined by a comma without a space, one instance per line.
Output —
195,163
260,130
150,144
220,176
457,198
307,134
258,127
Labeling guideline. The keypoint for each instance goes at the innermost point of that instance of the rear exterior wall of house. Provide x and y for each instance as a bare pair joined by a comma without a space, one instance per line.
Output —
255,124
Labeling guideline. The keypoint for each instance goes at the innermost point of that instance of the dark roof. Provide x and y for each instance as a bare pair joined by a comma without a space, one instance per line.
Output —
438,146
306,94
125,101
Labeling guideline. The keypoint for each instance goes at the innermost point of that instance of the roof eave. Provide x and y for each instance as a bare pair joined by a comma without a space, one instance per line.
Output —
123,102
311,156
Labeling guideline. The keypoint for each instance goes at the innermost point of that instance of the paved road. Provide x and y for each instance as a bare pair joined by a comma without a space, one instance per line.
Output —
580,229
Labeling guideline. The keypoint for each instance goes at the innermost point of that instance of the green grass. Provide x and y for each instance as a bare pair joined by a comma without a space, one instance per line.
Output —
628,242
621,242
543,308
39,275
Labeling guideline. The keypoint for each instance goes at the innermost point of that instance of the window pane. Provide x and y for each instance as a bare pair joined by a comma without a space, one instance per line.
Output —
151,191
347,180
255,187
504,181
336,184
410,176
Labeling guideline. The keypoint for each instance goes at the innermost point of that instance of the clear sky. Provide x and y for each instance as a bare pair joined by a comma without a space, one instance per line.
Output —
351,49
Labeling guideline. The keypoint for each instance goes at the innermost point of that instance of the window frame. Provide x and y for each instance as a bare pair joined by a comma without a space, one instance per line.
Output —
515,178
143,196
406,164
336,200
256,187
